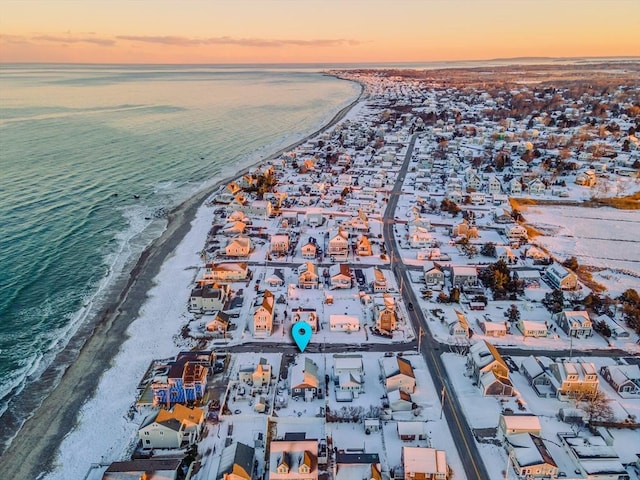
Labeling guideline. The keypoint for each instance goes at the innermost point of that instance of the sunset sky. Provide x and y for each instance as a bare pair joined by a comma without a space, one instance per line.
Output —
265,31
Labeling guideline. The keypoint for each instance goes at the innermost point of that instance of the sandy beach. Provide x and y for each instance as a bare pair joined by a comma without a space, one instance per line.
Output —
33,451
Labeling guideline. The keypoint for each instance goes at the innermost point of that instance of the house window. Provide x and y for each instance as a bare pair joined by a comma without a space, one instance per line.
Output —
146,433
161,433
147,442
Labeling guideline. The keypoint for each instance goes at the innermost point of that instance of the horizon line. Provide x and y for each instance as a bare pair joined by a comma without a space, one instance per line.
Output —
402,62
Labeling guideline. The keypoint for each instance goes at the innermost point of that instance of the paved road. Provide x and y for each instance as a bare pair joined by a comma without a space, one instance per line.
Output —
430,348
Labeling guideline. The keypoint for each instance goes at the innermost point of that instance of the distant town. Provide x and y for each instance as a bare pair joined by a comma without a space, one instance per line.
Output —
451,338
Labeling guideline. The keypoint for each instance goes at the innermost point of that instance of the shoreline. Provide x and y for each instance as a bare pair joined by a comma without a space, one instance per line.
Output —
34,448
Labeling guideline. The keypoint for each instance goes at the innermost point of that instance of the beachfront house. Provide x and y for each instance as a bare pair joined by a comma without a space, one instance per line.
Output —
183,382
174,428
143,468
208,298
238,247
227,272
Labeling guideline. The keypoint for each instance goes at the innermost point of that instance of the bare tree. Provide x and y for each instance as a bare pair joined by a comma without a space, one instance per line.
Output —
597,407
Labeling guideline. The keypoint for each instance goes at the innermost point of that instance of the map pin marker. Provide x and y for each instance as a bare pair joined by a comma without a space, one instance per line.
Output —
301,333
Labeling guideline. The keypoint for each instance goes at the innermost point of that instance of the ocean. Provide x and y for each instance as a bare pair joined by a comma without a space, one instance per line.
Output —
91,159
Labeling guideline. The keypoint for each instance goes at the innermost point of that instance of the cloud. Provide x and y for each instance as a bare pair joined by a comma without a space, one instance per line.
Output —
15,39
243,42
103,42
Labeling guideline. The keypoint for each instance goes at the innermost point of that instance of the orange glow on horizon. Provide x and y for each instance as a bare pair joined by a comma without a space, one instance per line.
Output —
312,31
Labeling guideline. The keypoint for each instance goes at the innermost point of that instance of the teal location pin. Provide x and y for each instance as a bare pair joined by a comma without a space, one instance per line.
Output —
301,333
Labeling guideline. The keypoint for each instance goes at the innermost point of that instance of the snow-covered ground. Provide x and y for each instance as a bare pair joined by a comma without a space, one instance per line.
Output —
105,433
602,237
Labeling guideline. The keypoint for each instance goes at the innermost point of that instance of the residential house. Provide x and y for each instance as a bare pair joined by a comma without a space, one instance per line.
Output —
344,323
340,276
624,379
561,277
314,217
519,164
264,315
386,316
533,329
574,379
310,249
231,229
220,323
464,276
236,462
424,464
363,246
279,244
536,187
238,247
433,275
379,283
489,370
352,466
184,382
307,276
399,401
515,186
398,374
208,298
504,253
575,323
459,327
225,272
410,431
144,468
594,457
495,187
275,279
307,315
257,208
357,224
530,457
172,429
516,233
492,329
419,237
347,363
514,424
339,245
305,380
464,229
259,375
587,178
528,277
537,372
293,459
